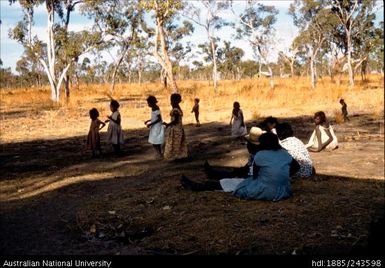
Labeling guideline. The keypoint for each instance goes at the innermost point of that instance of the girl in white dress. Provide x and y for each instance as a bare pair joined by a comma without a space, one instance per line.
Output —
323,137
156,136
237,123
114,131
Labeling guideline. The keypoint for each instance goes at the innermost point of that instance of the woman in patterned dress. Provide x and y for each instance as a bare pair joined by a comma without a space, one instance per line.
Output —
176,146
296,149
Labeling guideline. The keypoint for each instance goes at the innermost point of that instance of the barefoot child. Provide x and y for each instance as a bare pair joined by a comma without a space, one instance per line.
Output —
156,136
195,110
93,139
344,110
114,132
176,145
237,123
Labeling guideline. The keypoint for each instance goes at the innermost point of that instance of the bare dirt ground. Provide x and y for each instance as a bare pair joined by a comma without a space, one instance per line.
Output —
56,200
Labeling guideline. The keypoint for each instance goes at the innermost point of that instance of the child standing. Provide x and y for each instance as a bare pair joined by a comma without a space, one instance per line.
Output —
114,132
176,145
93,138
238,128
344,110
156,136
195,110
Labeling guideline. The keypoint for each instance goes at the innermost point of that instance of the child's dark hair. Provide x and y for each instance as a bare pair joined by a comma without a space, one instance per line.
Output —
197,100
284,131
176,98
236,104
342,100
271,120
152,100
269,141
94,113
321,116
115,104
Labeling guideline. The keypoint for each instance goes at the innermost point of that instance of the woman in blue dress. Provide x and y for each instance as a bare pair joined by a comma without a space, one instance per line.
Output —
273,166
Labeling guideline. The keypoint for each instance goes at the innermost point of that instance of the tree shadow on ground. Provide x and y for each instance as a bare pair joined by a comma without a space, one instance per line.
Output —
134,204
327,215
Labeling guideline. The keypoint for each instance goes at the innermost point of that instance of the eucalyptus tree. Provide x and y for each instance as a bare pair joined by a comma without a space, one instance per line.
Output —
100,70
206,51
315,22
163,12
70,46
256,23
211,21
29,66
119,23
356,20
249,68
290,56
198,71
28,72
62,47
8,79
137,58
181,53
230,59
178,51
377,54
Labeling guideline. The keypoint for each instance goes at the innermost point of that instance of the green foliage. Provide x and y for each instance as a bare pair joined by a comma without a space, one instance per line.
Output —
259,19
164,10
205,50
7,79
230,58
19,33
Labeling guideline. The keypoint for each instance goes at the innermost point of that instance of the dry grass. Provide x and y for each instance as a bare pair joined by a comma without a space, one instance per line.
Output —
339,118
38,115
102,206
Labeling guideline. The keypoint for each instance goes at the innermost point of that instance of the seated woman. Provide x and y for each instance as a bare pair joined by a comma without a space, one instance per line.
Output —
271,177
323,137
296,149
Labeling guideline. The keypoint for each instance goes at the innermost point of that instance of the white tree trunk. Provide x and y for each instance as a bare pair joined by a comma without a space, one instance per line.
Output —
140,76
140,68
313,76
271,76
349,58
67,85
164,60
117,64
215,78
268,67
129,75
63,74
51,53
